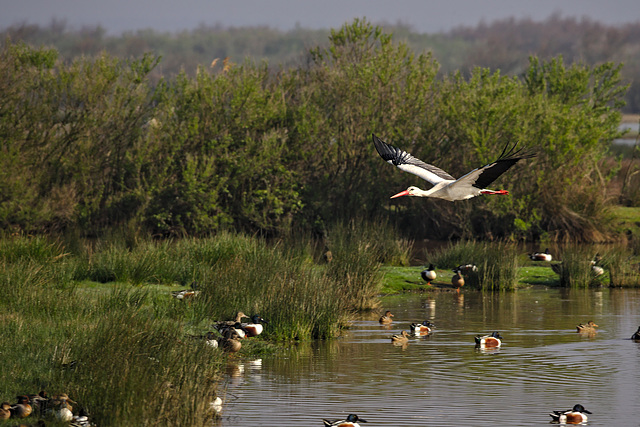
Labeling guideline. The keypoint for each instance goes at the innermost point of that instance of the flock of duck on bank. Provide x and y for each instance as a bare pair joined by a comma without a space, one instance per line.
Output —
59,408
546,256
229,332
228,336
41,407
457,281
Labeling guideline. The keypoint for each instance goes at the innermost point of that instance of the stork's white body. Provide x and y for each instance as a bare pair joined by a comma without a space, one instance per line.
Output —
446,186
450,190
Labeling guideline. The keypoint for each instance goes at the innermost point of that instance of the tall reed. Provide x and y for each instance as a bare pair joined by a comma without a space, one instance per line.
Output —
576,268
242,273
298,300
110,353
455,254
496,262
623,267
358,250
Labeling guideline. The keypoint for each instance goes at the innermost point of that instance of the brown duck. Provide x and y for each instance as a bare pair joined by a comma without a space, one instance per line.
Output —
386,318
457,280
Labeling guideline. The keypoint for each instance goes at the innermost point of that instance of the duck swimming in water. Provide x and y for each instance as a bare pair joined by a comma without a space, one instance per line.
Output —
386,318
493,340
576,415
351,421
400,339
421,328
589,328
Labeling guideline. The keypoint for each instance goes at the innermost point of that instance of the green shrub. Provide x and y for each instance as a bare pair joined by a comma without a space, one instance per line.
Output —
92,145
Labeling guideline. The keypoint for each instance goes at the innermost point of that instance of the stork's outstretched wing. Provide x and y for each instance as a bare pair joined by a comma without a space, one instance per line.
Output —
408,163
482,177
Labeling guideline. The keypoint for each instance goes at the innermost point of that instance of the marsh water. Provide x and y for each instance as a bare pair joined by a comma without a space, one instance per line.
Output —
442,379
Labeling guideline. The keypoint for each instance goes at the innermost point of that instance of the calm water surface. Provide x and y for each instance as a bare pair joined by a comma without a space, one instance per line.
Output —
442,379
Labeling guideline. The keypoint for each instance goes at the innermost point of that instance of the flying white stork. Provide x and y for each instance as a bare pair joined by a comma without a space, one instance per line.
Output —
444,185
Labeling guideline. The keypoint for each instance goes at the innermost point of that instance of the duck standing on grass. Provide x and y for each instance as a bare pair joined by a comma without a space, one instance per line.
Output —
351,421
230,343
61,408
577,415
467,268
254,328
457,280
210,338
22,409
386,318
82,419
239,316
39,402
233,324
596,270
541,256
186,294
429,274
230,340
5,411
236,329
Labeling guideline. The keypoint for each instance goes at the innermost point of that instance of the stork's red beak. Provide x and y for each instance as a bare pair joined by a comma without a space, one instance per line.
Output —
402,193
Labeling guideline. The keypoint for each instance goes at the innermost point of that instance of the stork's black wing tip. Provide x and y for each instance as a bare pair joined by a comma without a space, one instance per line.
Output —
523,154
514,153
384,149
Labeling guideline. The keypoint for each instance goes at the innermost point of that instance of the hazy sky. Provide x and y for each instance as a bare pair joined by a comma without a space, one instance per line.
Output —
423,15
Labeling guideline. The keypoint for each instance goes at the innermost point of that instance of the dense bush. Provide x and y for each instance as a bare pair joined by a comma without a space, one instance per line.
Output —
93,145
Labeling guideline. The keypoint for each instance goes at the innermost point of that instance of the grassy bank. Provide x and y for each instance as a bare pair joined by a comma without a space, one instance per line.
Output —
96,320
407,279
502,266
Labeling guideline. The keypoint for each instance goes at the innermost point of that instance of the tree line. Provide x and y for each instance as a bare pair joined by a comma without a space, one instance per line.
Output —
97,143
503,45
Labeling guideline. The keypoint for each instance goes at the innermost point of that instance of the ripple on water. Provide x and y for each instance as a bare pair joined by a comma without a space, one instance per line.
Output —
443,380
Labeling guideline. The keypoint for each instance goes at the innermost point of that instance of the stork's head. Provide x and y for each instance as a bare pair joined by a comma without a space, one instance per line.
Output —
411,191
